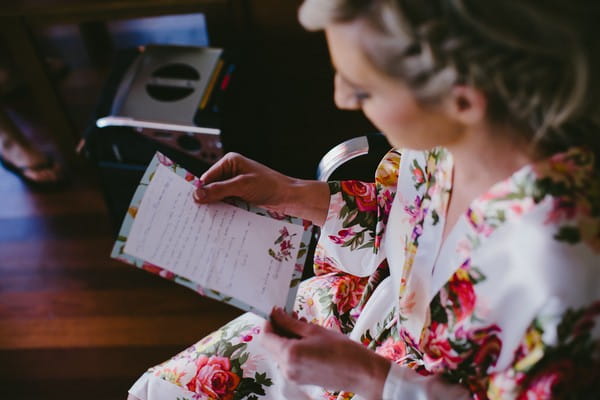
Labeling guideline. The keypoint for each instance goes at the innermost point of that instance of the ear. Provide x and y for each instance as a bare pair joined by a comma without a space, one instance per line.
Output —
467,105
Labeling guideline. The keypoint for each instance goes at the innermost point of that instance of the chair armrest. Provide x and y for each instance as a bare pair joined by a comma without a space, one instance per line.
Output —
374,145
340,154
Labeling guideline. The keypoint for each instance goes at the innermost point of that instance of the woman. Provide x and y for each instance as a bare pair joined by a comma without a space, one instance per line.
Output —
469,269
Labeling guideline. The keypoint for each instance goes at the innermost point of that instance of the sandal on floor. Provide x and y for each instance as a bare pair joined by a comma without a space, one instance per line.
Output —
20,172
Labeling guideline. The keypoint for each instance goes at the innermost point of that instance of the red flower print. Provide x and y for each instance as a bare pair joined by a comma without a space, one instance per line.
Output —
461,294
385,202
487,345
488,352
189,176
214,378
377,243
324,265
546,384
276,215
438,351
336,239
164,160
392,350
364,194
306,224
342,236
285,246
332,323
561,209
417,175
155,269
347,291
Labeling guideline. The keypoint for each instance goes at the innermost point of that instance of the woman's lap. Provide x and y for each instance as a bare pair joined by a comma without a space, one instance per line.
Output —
231,359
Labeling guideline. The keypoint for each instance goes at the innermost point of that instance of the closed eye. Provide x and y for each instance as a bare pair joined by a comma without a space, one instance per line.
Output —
361,96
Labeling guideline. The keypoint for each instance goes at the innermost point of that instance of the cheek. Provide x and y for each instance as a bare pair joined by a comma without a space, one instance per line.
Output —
411,127
393,121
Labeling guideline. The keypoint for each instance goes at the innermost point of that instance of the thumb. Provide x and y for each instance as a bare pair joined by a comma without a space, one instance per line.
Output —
286,325
220,190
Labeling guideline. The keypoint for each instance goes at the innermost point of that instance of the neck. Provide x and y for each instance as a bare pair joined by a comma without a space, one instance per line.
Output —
484,157
480,160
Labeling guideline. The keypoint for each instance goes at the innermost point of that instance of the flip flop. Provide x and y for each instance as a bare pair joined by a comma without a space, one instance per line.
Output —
20,172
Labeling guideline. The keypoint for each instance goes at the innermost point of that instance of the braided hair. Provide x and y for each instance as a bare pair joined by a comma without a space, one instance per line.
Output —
536,61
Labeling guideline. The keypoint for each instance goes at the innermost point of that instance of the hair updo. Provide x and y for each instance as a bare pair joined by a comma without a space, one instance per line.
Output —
536,61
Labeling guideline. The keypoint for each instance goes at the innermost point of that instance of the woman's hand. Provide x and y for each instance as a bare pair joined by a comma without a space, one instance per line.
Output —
237,176
311,354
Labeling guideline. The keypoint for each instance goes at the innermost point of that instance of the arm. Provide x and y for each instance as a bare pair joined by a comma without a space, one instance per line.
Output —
310,354
237,176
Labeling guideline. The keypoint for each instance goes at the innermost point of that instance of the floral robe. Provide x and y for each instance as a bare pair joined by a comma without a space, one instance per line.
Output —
508,307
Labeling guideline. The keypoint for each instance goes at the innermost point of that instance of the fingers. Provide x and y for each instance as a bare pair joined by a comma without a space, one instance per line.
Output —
286,325
286,352
227,167
220,190
224,179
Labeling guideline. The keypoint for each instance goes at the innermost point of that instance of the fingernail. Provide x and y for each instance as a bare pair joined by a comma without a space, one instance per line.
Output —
199,194
198,183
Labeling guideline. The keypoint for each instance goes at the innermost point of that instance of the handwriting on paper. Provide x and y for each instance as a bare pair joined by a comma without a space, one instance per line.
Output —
218,246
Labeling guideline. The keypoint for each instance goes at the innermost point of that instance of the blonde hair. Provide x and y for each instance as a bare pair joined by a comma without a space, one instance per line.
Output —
534,59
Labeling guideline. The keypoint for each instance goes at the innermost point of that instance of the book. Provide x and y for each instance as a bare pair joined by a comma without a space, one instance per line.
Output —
233,252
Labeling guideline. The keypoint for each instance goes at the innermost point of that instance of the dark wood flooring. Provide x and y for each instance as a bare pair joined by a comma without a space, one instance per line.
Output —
73,323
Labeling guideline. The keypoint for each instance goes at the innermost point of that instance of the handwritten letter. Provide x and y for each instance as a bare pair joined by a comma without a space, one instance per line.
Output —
218,246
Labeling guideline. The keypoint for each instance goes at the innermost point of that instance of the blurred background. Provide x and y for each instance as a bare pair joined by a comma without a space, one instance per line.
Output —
73,323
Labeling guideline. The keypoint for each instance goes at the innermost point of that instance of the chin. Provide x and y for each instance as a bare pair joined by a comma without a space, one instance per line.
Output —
412,145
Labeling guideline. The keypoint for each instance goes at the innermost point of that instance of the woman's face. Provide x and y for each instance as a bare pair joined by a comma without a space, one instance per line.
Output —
386,101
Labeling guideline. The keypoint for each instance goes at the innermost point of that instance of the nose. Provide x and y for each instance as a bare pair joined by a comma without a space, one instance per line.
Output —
344,95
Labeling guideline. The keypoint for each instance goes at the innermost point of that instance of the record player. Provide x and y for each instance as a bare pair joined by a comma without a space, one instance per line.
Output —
174,95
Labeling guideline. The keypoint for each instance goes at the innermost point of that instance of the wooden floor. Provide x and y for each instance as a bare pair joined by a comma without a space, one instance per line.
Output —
73,323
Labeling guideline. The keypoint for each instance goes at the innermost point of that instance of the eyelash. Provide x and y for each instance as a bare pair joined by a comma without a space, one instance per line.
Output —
361,96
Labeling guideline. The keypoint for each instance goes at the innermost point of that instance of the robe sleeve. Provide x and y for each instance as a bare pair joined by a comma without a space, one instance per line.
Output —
405,383
358,212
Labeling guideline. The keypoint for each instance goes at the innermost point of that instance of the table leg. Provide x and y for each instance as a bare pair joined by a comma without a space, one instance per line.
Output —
23,50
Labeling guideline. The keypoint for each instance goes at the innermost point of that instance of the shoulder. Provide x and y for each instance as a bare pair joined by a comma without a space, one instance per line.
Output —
540,229
418,165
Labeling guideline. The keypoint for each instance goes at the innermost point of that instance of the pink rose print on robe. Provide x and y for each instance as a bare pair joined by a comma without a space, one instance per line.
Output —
392,350
214,378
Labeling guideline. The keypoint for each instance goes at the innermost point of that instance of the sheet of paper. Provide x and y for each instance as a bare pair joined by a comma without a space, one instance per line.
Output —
219,246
